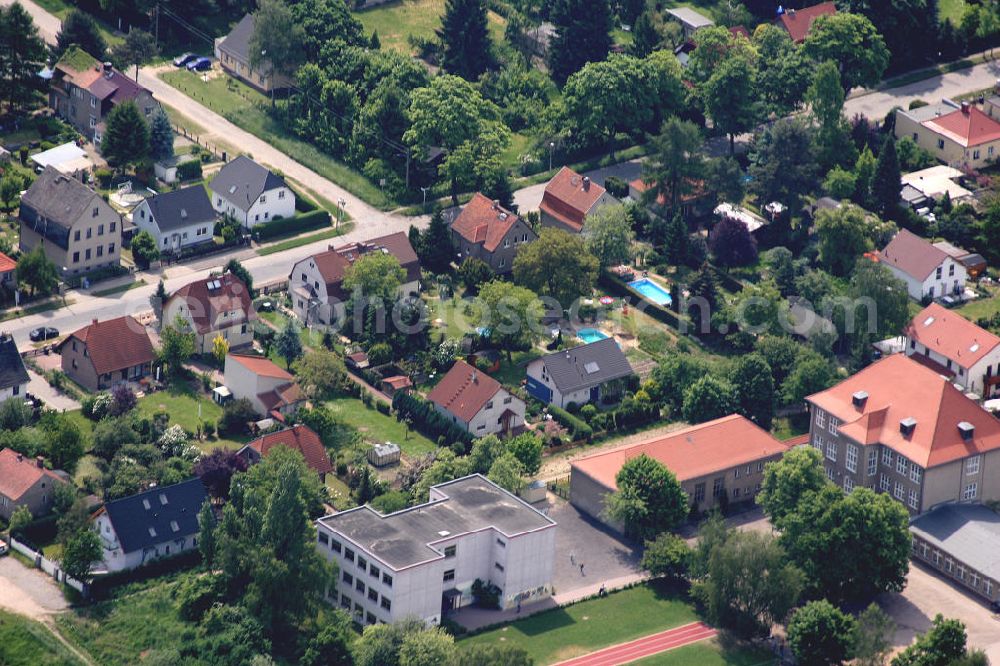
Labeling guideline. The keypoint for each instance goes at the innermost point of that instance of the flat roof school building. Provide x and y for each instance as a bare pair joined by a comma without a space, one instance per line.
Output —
422,561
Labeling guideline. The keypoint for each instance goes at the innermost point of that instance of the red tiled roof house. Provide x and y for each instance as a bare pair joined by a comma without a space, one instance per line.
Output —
299,438
272,391
569,198
7,267
476,402
487,231
106,353
958,135
928,271
316,283
900,427
798,22
216,305
954,347
25,481
720,458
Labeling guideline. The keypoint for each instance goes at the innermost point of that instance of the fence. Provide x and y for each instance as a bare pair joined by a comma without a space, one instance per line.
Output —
48,566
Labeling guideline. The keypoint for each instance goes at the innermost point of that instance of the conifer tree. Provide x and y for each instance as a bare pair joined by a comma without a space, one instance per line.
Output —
465,39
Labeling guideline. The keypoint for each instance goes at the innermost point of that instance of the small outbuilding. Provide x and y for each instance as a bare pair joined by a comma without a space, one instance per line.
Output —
382,455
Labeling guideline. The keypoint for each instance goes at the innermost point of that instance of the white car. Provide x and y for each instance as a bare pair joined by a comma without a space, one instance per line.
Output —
3,549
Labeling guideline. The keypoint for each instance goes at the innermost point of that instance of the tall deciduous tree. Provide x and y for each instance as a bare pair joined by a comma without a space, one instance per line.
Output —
288,343
512,314
144,249
608,234
826,99
820,634
465,38
36,272
217,469
851,41
841,233
783,163
126,136
731,243
786,481
22,58
667,555
557,265
754,389
873,640
277,42
708,398
675,162
583,34
649,499
320,373
850,546
81,29
729,96
943,643
177,345
80,553
138,48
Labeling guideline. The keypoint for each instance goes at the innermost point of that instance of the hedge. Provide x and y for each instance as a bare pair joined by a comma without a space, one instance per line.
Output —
317,219
658,312
302,204
578,427
190,170
426,419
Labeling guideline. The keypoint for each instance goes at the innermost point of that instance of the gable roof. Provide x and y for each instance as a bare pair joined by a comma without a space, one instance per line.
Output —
334,262
78,67
261,366
6,263
54,202
798,22
689,453
951,335
12,370
568,197
237,41
464,390
484,221
690,17
587,365
899,388
207,297
181,208
912,254
114,344
300,438
19,473
967,126
146,519
242,181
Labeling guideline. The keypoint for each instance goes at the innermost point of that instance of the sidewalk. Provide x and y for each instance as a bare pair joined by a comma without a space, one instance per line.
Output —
473,618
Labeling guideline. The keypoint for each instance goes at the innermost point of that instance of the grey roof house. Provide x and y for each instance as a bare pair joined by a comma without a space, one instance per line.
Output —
596,372
157,523
177,219
251,193
962,543
233,54
691,21
13,375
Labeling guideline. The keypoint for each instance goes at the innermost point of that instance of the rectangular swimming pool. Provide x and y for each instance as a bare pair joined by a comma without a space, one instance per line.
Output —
589,335
651,291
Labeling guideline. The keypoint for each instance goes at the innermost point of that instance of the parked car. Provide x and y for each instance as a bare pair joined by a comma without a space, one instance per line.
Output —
3,549
200,64
184,59
43,333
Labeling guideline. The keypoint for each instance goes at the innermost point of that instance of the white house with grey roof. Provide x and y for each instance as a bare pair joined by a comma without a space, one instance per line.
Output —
594,372
251,193
422,561
177,219
962,543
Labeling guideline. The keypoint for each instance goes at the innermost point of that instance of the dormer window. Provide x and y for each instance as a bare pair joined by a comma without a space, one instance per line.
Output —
967,430
163,499
859,398
907,426
152,531
174,526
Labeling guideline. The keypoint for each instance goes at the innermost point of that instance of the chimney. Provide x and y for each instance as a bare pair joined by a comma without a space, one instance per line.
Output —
859,398
791,12
967,430
496,204
907,425
40,461
965,108
586,182
475,377
20,457
108,70
93,321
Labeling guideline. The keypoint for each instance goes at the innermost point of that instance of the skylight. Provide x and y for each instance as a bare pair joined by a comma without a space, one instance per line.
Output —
974,348
232,189
591,367
145,503
152,531
174,526
928,321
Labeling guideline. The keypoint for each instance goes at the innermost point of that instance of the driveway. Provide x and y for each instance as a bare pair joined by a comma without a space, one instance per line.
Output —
51,397
925,596
29,591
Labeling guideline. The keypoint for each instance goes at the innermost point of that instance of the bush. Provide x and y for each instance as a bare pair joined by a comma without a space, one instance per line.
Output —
486,594
190,170
235,416
316,219
577,428
103,177
616,187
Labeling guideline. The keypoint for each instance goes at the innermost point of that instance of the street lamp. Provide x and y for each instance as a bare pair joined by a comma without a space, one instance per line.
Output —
340,212
263,53
552,145
424,190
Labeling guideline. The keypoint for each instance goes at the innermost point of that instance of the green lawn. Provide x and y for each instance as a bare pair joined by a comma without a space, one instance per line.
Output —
396,21
375,426
951,10
304,240
61,8
181,403
574,630
126,629
709,653
221,93
307,337
512,372
24,642
981,308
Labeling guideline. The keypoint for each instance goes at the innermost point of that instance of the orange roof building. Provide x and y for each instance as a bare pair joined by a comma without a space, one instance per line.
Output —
299,438
953,346
718,461
569,198
25,481
960,135
105,353
903,428
476,402
798,22
486,230
928,271
219,305
272,391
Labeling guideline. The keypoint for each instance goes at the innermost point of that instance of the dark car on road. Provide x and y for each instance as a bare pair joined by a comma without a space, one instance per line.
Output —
43,333
200,64
184,59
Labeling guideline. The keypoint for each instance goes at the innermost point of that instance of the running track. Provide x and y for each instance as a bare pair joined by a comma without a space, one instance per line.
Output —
623,653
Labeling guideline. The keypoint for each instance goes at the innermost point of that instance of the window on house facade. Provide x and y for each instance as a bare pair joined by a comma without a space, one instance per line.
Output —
901,465
851,462
820,419
498,566
387,580
348,554
915,473
914,500
359,585
937,273
818,442
898,491
335,545
699,493
883,483
972,465
717,487
362,563
501,543
829,473
949,565
988,587
323,538
831,451
848,484
449,551
386,603
372,594
736,473
348,579
887,456
970,491
834,424
374,572
449,575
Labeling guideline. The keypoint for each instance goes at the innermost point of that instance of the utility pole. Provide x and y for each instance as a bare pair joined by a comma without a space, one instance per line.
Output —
156,27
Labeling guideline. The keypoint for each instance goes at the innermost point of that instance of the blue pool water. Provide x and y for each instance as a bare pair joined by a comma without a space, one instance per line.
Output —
589,335
652,291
